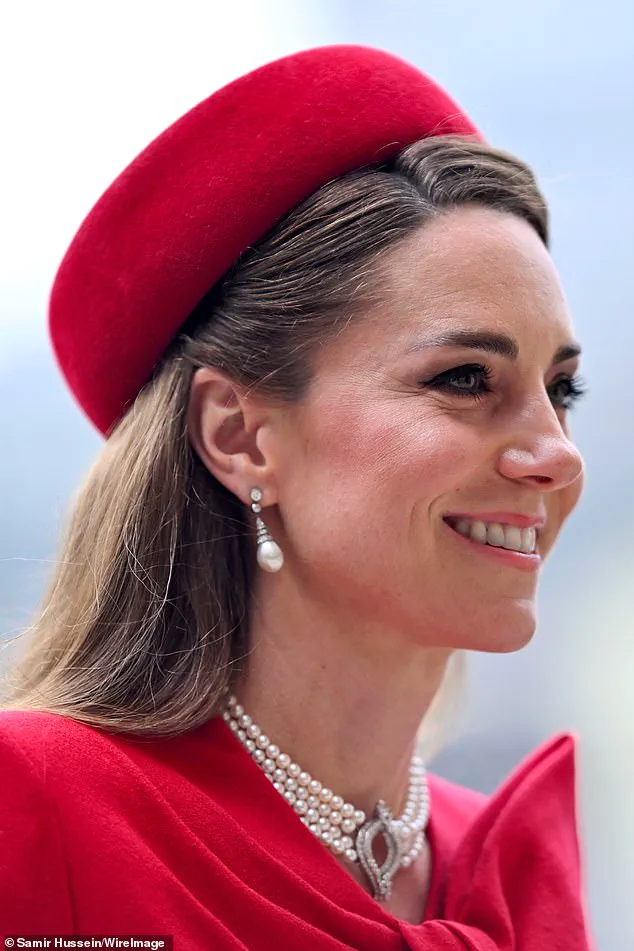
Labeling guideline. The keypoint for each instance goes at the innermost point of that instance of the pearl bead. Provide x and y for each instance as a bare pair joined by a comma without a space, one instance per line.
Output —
270,556
328,817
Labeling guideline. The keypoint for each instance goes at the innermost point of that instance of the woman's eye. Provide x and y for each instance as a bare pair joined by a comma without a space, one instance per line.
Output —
469,380
566,391
474,380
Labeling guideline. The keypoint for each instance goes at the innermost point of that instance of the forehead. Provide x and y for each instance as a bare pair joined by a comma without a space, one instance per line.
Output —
470,268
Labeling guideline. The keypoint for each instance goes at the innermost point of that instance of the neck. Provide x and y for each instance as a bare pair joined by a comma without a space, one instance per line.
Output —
345,706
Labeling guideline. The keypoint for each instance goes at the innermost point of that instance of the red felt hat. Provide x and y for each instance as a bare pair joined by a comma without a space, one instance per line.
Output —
177,218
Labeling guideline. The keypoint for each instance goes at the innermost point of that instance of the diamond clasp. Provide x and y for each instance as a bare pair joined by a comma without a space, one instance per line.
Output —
379,876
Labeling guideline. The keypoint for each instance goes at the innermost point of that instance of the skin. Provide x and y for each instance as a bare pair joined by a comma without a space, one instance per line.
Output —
352,637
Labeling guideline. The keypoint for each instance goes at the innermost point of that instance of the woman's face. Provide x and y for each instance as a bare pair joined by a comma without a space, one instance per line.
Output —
436,422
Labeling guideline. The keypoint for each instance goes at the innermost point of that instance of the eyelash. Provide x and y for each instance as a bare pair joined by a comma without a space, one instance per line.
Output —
576,388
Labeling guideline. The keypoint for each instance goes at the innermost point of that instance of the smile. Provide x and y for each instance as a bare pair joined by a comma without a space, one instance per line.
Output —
496,534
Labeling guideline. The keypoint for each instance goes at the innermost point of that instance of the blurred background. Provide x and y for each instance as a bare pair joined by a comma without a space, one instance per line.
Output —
85,86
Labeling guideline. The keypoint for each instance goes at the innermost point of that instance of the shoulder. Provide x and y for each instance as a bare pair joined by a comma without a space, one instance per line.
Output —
39,739
58,755
75,765
32,860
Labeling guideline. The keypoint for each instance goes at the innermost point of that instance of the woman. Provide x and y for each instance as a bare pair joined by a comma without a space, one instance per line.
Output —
319,324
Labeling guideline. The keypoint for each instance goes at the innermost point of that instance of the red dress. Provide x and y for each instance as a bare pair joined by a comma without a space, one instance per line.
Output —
187,837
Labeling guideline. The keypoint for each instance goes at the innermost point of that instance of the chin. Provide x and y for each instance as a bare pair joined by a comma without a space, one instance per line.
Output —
505,639
500,632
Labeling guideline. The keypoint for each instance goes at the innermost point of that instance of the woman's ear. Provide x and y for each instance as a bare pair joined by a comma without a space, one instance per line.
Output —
224,422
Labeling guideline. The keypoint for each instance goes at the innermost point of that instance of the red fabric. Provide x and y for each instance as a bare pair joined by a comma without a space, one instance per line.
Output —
184,210
187,837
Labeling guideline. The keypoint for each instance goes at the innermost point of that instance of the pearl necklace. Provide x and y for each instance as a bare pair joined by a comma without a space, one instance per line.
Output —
342,828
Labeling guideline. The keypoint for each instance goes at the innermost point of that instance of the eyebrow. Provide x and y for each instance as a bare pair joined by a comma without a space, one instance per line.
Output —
500,344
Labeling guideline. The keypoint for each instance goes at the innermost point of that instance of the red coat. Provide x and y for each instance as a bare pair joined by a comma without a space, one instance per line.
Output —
186,837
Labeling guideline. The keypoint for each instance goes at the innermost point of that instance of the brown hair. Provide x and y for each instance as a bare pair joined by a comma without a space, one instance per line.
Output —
144,623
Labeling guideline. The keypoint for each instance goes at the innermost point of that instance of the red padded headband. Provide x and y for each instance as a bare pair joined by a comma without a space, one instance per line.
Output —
177,218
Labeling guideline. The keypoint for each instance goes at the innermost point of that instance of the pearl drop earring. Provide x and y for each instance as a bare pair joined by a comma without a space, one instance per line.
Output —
270,556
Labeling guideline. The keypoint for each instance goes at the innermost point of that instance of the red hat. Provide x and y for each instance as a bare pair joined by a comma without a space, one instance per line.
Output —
177,218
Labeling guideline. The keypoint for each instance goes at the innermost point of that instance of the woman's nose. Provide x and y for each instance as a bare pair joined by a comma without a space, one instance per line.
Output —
540,452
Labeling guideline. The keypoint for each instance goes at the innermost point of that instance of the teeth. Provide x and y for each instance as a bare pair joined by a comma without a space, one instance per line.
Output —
500,536
495,534
513,538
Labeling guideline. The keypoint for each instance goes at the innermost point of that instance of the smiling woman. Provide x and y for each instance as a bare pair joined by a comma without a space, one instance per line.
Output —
334,367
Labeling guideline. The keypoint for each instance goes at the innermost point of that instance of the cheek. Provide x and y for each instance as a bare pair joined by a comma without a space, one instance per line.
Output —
571,495
561,505
389,454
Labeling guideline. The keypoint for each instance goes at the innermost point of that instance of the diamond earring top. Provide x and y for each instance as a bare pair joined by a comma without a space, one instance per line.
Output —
270,556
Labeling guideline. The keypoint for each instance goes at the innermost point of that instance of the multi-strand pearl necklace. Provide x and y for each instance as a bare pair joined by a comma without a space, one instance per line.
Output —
345,830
